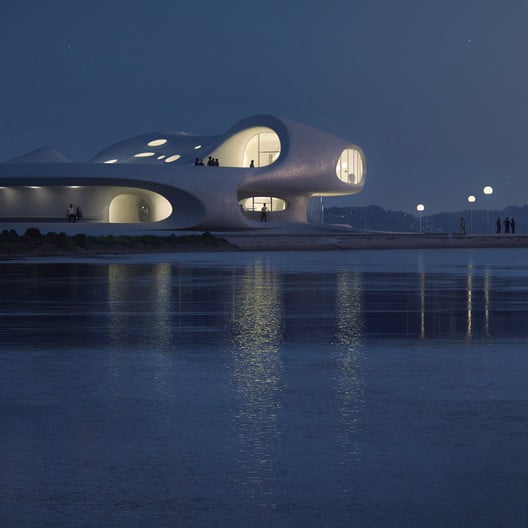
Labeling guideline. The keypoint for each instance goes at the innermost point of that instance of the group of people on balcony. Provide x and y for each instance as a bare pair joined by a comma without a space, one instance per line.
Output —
74,214
211,162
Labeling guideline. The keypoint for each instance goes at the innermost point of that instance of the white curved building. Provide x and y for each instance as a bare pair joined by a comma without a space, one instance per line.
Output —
152,180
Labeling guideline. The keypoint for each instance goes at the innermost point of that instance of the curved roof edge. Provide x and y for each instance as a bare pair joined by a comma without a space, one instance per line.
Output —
40,155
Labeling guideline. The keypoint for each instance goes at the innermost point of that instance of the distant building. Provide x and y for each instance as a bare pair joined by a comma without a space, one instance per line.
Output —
153,180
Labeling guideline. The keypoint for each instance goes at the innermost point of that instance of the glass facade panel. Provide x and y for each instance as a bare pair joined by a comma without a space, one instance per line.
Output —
263,148
255,203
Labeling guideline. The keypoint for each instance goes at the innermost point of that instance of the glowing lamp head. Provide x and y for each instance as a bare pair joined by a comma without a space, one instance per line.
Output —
471,198
420,208
487,190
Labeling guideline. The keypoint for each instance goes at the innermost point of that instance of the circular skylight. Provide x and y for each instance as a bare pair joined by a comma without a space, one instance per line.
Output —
156,142
170,159
144,154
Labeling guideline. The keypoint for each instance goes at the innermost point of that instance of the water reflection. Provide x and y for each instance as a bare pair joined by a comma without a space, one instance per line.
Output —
255,366
349,381
134,295
469,288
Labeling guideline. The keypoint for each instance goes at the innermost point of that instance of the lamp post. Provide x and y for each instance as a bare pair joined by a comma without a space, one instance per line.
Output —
420,208
471,199
488,191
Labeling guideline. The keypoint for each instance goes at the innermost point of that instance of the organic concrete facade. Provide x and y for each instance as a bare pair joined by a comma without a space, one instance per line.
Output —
152,180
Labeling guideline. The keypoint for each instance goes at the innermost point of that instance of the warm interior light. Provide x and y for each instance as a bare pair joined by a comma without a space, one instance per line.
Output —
111,161
143,154
74,186
156,142
172,158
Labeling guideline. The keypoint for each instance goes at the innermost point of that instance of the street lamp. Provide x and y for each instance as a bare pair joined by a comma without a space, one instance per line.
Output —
471,200
488,191
420,208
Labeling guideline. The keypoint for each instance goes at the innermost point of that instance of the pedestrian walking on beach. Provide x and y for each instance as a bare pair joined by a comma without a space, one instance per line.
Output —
507,225
498,225
512,224
463,226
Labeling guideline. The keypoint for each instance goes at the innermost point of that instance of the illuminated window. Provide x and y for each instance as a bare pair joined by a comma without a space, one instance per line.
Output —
263,149
349,168
170,159
255,203
156,142
143,154
111,161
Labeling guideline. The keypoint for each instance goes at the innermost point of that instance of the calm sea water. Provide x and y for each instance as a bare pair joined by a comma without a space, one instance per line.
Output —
347,388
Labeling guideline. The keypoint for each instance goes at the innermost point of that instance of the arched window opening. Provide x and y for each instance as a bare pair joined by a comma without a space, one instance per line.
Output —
350,166
145,206
262,149
255,203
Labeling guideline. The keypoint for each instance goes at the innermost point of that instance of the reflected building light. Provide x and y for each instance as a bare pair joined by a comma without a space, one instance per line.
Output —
486,304
422,305
349,380
469,288
256,368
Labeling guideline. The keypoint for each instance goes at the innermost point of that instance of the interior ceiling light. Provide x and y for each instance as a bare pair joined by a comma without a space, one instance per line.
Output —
143,154
170,159
161,157
111,161
74,186
197,147
156,142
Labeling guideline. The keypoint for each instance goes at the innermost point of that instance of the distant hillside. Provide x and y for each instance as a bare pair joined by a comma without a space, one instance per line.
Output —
375,218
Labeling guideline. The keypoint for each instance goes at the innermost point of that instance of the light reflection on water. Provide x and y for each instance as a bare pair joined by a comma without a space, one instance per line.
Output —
255,366
268,389
349,381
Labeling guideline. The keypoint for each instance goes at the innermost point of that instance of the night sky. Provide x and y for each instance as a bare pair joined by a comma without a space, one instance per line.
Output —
434,91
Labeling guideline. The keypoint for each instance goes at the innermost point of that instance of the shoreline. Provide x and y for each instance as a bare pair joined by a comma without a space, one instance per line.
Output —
33,243
336,242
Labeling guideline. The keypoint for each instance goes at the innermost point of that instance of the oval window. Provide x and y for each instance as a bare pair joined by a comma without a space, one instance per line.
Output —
350,166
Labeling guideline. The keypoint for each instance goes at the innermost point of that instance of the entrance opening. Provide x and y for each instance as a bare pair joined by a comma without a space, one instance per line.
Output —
131,208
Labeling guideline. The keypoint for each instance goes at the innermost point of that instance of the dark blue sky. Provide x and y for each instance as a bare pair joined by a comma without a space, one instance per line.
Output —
435,91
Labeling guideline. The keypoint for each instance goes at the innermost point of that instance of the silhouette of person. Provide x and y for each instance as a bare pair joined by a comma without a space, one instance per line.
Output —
252,164
507,225
463,226
71,213
498,225
263,215
512,224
